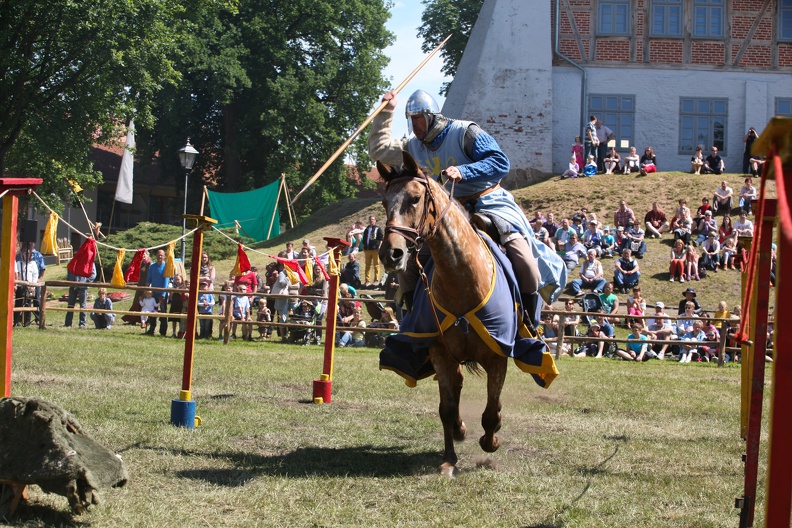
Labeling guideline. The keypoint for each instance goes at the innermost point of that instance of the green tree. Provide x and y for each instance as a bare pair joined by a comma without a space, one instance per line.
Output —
71,73
443,17
272,87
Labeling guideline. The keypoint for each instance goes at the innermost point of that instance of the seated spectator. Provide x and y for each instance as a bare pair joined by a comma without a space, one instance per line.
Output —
634,239
691,342
573,251
682,211
621,240
747,193
632,162
636,304
708,225
577,225
710,253
677,266
691,264
592,238
714,164
573,170
729,249
537,221
542,235
656,221
608,331
622,215
354,337
683,229
659,328
722,199
689,296
757,165
610,303
591,275
351,272
701,212
591,167
743,226
721,313
608,242
550,225
612,161
103,321
726,229
570,321
648,162
562,235
697,161
637,351
549,331
684,326
355,237
627,272
709,351
594,347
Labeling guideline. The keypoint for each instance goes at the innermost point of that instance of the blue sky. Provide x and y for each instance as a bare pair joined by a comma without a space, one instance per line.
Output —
405,55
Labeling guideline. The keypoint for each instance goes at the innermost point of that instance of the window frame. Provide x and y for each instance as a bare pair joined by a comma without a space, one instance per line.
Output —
666,6
783,101
611,18
708,8
785,19
614,115
713,121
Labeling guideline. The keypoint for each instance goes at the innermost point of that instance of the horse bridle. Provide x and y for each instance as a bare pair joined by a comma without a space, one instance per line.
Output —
413,236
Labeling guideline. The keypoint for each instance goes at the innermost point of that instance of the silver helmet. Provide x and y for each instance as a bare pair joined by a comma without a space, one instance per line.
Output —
419,103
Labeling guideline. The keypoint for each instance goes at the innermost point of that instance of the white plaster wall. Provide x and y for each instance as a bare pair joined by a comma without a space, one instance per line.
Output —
751,97
504,83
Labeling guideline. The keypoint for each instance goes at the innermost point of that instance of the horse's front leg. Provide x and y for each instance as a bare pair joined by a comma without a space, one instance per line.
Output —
491,418
449,377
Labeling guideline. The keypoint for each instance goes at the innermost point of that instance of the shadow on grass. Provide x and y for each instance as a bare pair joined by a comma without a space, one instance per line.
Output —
555,520
359,461
31,514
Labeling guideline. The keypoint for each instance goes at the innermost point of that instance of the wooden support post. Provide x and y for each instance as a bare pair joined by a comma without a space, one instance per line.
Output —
561,329
724,338
43,307
226,330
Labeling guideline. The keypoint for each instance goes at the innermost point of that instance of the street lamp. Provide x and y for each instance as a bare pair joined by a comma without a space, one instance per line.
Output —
187,156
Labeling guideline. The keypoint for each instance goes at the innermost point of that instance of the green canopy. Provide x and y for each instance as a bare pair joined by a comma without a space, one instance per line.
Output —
252,210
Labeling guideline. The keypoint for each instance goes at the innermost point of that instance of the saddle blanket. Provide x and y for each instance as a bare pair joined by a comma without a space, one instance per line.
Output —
498,321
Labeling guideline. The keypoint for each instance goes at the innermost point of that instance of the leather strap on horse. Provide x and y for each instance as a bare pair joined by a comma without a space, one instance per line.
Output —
465,199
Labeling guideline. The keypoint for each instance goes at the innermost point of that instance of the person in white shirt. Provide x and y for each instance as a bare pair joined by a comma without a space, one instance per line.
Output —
743,226
722,199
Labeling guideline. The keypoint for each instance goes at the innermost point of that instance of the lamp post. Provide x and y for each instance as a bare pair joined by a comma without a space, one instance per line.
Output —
187,156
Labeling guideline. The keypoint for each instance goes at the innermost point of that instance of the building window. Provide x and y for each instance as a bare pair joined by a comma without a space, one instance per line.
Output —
613,17
164,210
785,20
666,18
783,106
702,121
616,112
708,18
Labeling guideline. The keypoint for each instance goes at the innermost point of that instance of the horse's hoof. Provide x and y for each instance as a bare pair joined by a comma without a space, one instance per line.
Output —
489,445
447,470
460,433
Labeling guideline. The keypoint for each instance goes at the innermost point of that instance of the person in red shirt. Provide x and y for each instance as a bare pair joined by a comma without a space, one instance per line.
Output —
656,222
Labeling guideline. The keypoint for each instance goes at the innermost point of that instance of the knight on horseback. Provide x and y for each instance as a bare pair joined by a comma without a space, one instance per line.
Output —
464,153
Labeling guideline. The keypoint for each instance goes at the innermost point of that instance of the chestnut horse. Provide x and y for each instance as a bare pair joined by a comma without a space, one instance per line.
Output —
419,211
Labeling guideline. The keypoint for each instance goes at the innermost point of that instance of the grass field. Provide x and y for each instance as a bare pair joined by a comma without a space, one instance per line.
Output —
611,443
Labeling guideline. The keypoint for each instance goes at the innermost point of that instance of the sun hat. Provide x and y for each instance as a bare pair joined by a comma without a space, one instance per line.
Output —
606,228
689,290
658,304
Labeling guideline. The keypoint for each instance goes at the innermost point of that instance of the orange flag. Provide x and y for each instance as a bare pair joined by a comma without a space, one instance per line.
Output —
242,264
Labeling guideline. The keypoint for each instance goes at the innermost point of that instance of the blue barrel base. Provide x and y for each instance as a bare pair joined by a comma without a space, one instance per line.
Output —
183,413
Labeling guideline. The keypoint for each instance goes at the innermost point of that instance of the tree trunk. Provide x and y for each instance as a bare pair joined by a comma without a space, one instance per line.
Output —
233,168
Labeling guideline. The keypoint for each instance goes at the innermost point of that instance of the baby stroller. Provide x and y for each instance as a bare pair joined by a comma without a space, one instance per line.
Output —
305,315
590,302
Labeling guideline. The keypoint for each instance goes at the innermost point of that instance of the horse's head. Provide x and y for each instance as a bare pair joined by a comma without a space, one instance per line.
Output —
407,201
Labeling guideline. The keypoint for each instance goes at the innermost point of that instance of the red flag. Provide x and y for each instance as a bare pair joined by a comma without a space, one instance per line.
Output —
295,267
322,268
242,264
133,271
82,263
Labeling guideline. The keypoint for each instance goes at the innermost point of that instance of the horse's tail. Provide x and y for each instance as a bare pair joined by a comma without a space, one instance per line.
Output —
473,368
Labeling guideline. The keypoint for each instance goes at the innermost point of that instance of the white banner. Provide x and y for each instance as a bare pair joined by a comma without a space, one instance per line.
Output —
124,187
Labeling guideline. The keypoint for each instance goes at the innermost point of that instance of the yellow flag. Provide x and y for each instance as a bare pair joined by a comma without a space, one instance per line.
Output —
49,242
309,271
75,186
118,275
293,279
170,269
332,267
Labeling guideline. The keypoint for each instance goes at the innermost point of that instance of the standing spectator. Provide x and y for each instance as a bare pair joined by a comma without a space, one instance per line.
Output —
148,304
749,139
207,273
27,270
697,161
722,199
656,221
604,134
240,312
648,162
612,160
249,279
372,238
78,294
714,164
590,141
622,215
38,258
591,275
632,161
677,266
103,321
206,302
627,272
281,305
577,151
263,316
156,279
747,193
743,226
178,304
291,254
306,244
